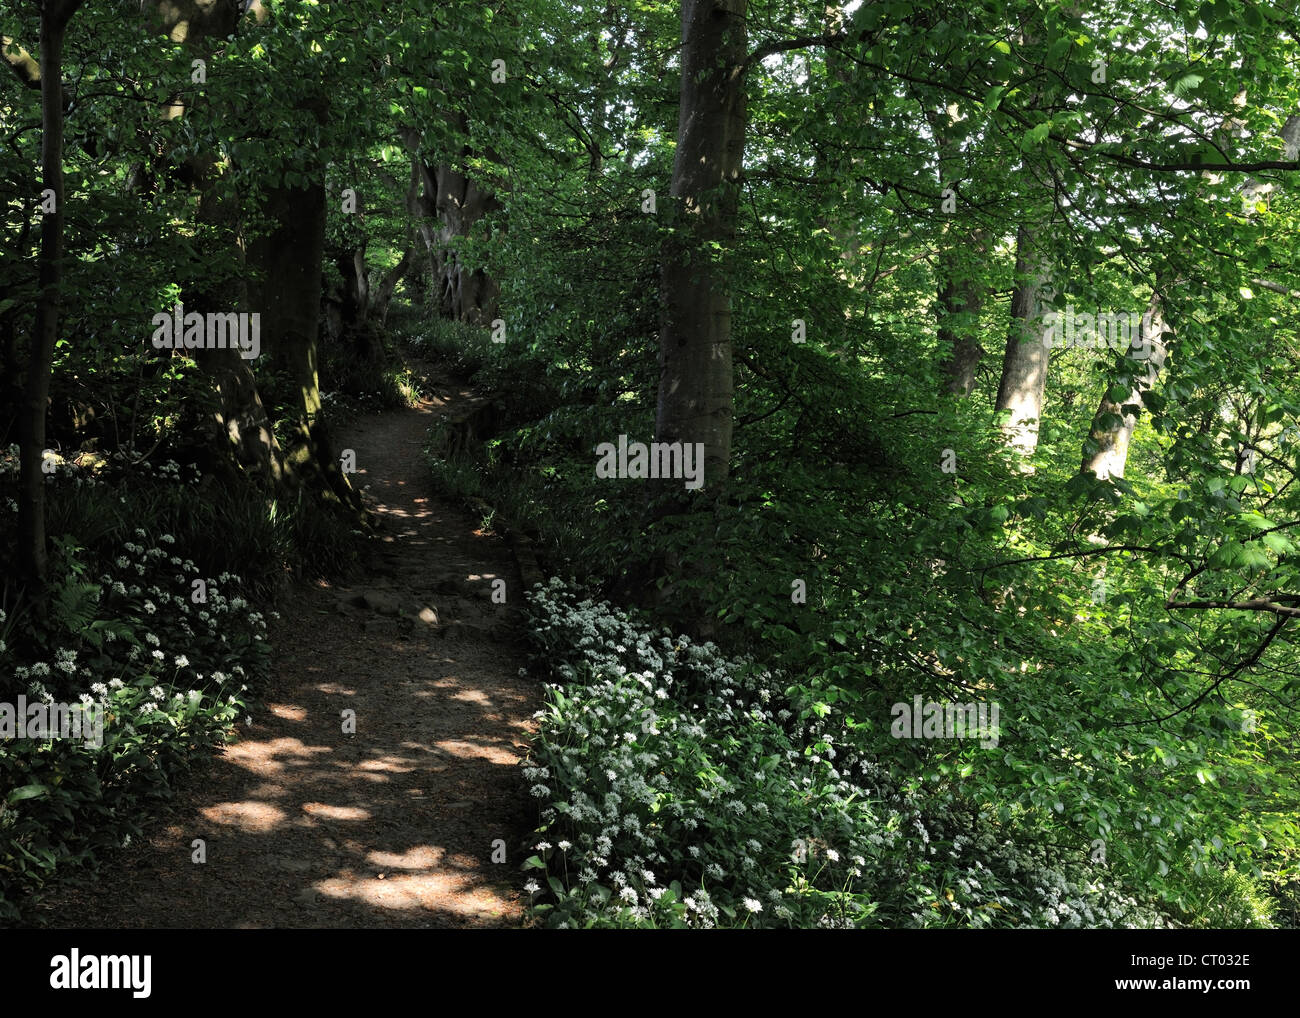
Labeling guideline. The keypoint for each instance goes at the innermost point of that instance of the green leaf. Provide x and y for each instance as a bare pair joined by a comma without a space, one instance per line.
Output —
1036,135
1279,543
28,792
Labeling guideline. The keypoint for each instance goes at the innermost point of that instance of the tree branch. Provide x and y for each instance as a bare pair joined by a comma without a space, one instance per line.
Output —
785,45
1253,605
21,63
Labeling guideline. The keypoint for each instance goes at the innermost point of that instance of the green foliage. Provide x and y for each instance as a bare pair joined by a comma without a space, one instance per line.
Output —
678,788
69,803
466,349
170,675
1224,899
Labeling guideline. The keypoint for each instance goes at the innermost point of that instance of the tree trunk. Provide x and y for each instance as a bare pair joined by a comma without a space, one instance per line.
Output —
245,429
959,297
457,203
350,310
1106,450
695,353
11,373
467,294
383,294
360,283
242,420
835,164
958,293
420,204
33,562
287,265
1024,366
286,291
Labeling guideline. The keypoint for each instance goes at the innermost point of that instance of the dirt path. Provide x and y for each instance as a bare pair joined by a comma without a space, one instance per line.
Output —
393,826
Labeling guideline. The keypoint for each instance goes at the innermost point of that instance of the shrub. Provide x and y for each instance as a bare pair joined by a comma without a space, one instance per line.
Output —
1227,899
679,788
124,631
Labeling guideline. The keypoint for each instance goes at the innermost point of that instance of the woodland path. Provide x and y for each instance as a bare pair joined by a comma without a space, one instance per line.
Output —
392,827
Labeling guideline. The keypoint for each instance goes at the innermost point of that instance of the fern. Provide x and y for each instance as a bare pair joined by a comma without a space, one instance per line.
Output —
74,605
75,601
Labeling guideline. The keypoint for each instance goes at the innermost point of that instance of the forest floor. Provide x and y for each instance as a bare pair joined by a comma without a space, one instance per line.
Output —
393,826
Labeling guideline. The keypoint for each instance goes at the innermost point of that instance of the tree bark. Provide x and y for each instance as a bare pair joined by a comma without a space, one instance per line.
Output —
958,293
834,164
33,560
457,203
243,425
1105,453
695,353
1024,365
11,370
286,291
468,294
964,352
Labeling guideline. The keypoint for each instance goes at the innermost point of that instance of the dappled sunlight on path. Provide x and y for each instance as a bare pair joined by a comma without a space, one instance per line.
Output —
372,789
